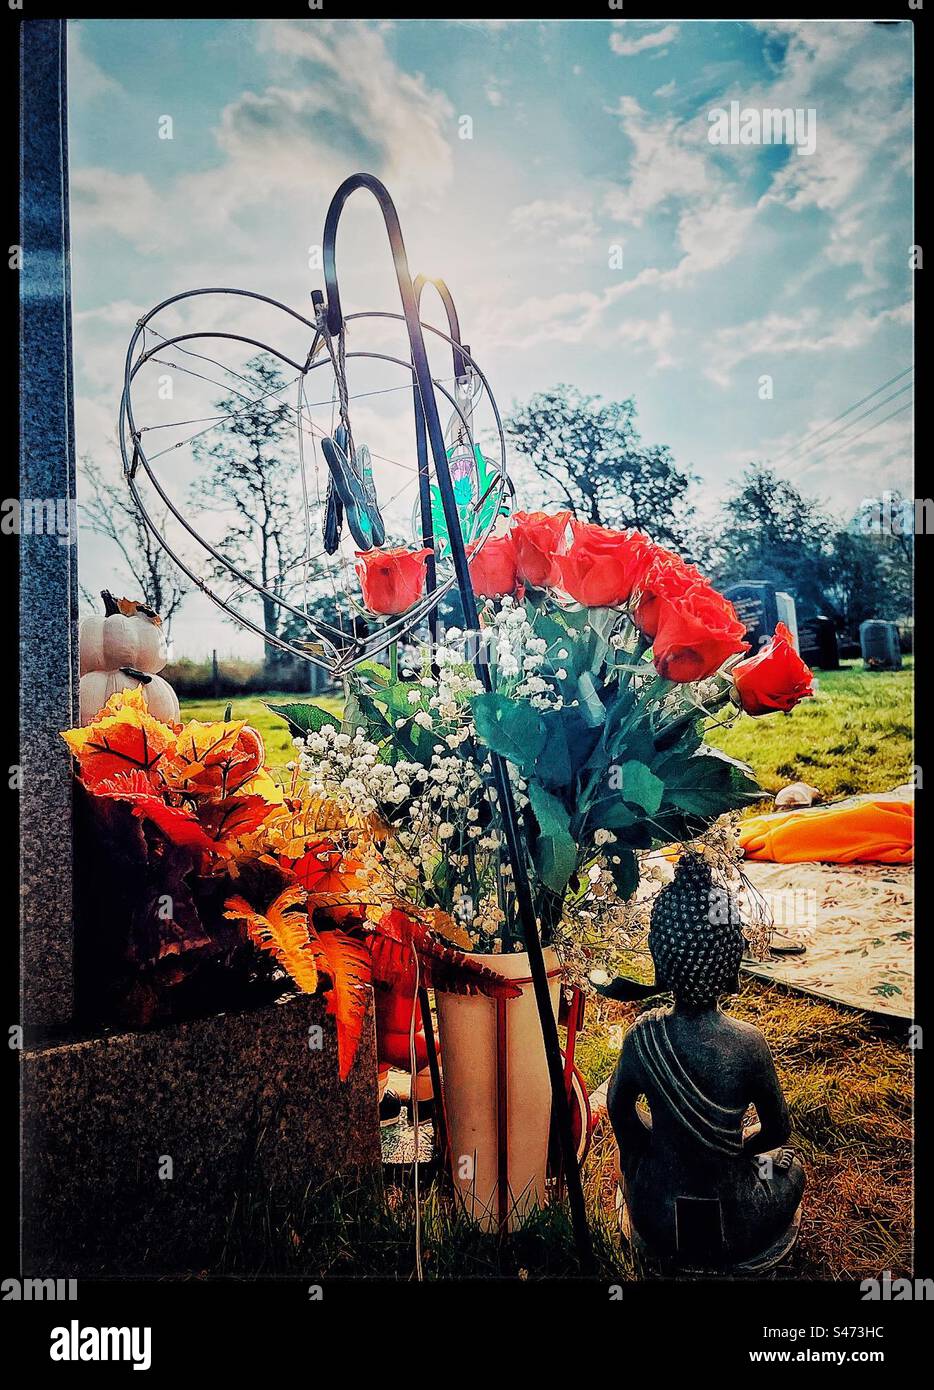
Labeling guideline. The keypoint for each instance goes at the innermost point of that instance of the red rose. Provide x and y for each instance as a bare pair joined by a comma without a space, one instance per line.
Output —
538,537
493,568
696,634
775,678
602,566
392,579
667,577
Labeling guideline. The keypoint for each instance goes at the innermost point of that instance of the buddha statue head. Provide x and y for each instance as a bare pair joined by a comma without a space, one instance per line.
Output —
695,939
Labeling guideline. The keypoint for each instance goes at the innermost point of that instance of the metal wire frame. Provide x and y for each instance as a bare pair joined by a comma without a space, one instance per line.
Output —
339,650
421,436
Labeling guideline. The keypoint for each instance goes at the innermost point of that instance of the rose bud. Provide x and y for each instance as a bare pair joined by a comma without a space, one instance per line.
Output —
695,635
392,580
538,537
667,576
775,678
602,566
493,568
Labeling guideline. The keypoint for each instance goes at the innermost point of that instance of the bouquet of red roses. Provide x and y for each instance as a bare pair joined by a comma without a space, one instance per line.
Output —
609,657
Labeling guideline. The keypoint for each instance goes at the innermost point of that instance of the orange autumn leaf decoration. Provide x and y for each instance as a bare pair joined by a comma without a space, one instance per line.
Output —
231,819
123,737
281,932
179,825
325,868
347,961
209,758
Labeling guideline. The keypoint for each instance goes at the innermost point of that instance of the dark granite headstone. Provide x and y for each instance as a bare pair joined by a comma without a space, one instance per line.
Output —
48,542
880,646
143,1151
755,604
817,642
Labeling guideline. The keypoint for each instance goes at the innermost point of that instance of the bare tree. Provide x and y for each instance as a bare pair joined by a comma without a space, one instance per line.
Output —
108,510
249,477
589,456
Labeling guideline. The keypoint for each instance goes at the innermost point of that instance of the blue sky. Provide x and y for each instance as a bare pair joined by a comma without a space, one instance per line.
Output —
737,261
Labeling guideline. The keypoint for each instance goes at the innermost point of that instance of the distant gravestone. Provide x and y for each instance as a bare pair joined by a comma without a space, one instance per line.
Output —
754,601
762,607
817,642
880,645
787,614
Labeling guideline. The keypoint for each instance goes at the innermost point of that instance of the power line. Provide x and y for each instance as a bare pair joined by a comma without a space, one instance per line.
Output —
842,416
871,411
874,426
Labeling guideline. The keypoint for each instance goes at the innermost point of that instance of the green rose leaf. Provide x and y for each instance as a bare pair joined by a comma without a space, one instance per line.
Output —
511,728
710,783
612,813
304,718
640,787
555,851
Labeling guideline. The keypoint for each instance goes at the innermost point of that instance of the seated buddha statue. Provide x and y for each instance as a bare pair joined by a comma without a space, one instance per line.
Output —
700,1189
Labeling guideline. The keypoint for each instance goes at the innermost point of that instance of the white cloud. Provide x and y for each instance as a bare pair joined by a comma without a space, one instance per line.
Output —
339,104
86,81
668,162
123,203
567,223
628,48
781,335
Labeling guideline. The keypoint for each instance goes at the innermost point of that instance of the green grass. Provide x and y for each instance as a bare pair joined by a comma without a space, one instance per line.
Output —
854,736
253,708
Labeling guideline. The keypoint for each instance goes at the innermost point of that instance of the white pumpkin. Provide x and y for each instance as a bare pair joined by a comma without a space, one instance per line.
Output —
127,634
96,687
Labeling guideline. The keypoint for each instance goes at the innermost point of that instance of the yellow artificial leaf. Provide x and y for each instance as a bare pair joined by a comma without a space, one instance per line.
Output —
123,737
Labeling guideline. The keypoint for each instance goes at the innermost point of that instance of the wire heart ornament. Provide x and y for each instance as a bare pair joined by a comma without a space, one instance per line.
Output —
342,511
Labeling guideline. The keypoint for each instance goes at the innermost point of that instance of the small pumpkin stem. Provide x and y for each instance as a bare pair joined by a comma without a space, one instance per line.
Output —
137,675
111,606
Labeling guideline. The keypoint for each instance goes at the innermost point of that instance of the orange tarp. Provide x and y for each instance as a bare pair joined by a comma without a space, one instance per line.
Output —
872,831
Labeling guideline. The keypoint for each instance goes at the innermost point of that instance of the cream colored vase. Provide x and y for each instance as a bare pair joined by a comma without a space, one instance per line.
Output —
467,1027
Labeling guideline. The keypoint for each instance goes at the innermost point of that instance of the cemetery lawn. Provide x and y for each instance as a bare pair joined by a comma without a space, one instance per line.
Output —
846,1075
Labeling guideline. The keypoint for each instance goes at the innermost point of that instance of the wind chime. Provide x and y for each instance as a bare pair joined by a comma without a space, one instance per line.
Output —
460,495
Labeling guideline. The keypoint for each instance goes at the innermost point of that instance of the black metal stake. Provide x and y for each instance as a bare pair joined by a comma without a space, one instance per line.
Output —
511,832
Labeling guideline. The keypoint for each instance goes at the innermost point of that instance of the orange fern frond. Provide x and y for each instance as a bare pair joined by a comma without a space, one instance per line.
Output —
284,934
347,961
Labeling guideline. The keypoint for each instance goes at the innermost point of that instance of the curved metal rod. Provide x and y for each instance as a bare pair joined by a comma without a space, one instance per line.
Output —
514,843
421,437
216,333
447,299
